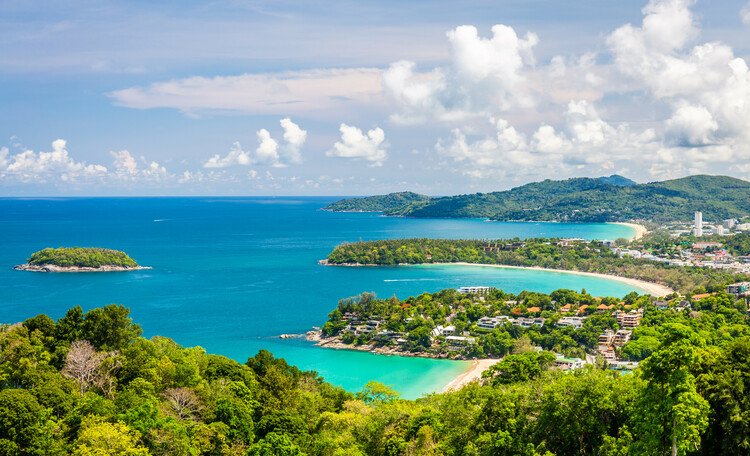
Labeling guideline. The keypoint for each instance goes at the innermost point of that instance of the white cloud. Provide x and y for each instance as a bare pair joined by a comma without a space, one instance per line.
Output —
30,166
268,151
312,91
126,169
294,137
691,126
355,144
485,76
745,15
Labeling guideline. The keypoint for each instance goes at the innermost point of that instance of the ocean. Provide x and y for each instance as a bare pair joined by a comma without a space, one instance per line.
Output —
232,274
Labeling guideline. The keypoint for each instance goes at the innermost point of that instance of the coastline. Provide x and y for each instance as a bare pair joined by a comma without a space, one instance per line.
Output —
640,230
472,374
55,268
655,289
336,344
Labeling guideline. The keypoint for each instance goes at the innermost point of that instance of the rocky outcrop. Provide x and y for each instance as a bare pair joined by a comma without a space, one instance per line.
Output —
55,268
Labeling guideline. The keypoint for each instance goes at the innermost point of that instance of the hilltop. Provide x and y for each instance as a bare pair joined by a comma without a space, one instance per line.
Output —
378,203
585,199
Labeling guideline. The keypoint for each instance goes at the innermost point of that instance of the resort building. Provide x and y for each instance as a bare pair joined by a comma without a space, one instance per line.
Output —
459,342
474,290
739,289
622,337
575,322
563,363
529,322
606,340
630,319
490,323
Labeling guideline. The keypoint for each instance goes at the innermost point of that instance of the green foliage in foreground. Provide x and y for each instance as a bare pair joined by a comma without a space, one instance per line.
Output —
590,200
90,257
132,396
378,203
546,253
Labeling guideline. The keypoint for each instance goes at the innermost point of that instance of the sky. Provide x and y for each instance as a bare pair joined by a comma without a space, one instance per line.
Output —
236,97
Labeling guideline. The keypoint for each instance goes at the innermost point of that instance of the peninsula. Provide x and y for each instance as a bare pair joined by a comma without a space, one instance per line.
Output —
79,259
576,255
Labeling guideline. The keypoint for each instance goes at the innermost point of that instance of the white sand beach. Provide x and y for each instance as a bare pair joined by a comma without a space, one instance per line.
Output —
640,230
655,289
473,373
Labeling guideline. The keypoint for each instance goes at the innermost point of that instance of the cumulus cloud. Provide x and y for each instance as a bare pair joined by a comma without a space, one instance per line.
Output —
30,166
355,144
313,91
58,167
126,169
485,75
268,151
584,140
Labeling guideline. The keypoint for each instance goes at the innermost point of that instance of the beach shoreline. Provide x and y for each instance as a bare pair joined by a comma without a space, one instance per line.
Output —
471,374
655,289
640,230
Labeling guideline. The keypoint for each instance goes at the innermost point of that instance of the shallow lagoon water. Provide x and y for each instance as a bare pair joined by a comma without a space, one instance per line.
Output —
231,274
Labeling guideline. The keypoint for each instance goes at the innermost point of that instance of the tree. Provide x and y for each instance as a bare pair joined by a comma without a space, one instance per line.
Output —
20,418
672,413
519,368
89,367
109,327
376,393
275,445
100,438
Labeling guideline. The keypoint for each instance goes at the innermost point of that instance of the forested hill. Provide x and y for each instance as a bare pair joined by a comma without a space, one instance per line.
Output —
377,203
594,200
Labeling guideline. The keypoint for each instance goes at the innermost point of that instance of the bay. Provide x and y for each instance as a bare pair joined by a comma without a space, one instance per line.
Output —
232,274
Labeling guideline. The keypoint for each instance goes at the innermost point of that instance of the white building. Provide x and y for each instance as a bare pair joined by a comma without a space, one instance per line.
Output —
476,290
698,228
576,322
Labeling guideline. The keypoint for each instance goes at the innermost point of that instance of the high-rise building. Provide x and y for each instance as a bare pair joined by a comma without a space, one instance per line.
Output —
698,228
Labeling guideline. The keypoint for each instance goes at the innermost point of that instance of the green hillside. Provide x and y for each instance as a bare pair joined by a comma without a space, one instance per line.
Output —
593,200
377,203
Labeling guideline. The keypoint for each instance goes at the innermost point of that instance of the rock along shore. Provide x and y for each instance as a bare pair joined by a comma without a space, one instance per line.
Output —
56,268
336,343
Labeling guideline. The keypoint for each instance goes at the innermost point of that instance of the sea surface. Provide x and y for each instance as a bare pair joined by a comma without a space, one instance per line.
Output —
232,274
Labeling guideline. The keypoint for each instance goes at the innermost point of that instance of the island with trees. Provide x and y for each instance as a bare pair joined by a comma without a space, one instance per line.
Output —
612,199
79,259
89,384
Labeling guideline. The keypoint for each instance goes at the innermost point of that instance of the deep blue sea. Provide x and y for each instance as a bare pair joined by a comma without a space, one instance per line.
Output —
232,274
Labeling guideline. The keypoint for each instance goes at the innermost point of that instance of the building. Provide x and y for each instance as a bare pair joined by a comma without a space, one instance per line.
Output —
459,342
569,363
661,305
629,319
490,323
739,289
730,223
475,290
622,337
529,322
575,322
605,340
698,226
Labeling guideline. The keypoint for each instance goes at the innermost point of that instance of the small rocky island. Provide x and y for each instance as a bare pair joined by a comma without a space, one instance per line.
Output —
79,259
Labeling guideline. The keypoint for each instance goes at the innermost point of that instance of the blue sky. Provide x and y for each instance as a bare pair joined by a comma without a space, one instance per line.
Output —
351,98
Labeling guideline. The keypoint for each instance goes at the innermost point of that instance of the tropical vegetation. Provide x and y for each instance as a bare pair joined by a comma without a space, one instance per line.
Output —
88,384
591,200
90,257
552,253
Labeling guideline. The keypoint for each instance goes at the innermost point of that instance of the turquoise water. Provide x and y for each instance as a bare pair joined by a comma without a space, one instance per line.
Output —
231,274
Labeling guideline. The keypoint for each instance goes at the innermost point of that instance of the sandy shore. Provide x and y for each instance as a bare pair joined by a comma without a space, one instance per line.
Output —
655,289
471,374
640,230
